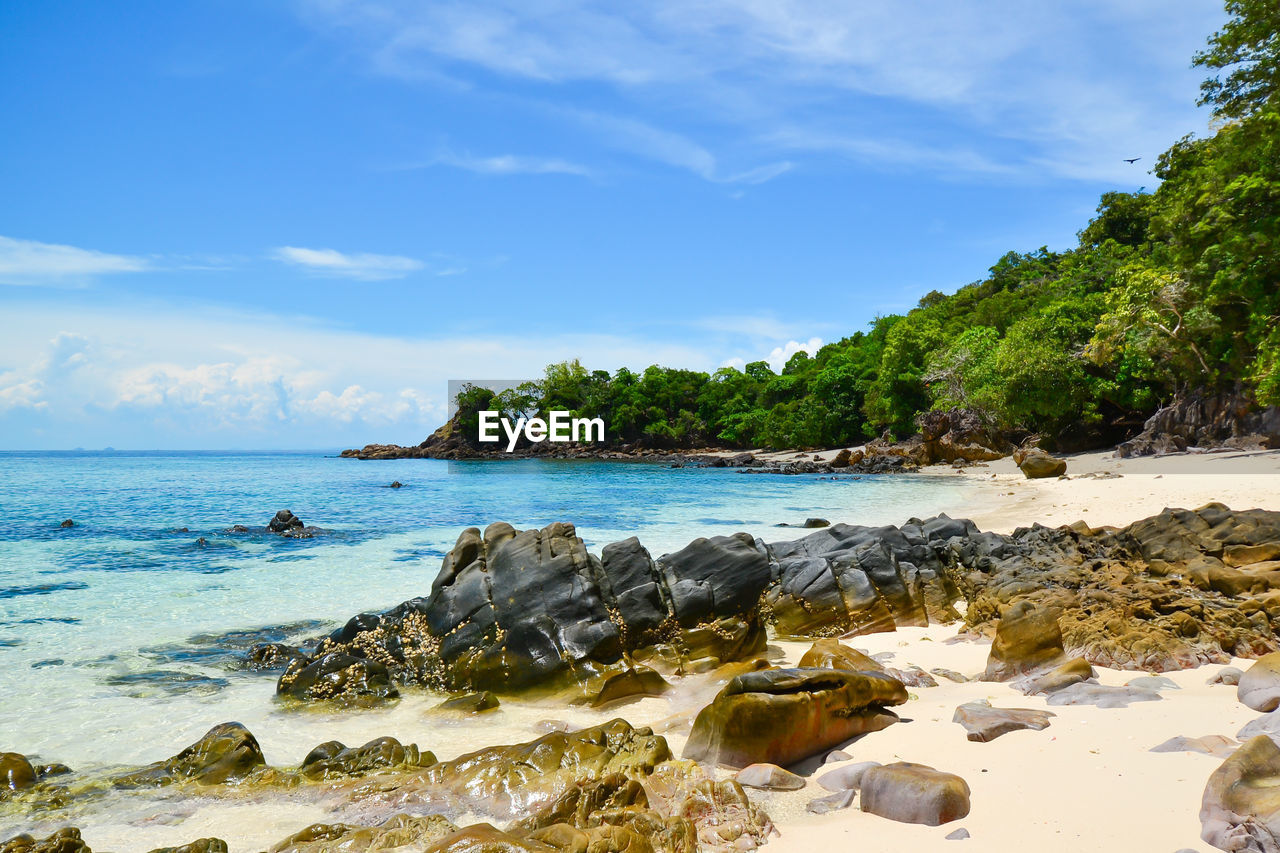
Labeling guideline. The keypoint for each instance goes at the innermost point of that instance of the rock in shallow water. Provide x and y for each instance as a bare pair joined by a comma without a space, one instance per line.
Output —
227,752
781,716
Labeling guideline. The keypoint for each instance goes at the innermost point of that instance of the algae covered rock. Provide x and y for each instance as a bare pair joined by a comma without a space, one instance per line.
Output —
226,753
831,654
200,845
914,793
335,760
397,832
780,716
66,840
336,675
16,772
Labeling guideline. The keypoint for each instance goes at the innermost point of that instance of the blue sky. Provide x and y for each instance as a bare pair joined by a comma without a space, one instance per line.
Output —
288,224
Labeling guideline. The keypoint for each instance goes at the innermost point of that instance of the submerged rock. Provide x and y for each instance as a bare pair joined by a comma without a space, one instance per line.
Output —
914,793
471,703
285,521
780,716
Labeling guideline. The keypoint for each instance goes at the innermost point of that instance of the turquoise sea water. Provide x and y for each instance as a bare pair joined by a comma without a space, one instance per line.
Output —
115,634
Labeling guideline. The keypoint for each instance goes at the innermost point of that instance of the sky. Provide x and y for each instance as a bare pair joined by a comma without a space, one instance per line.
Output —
289,224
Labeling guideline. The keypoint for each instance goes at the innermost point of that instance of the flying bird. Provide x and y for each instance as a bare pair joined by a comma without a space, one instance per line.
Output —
1132,160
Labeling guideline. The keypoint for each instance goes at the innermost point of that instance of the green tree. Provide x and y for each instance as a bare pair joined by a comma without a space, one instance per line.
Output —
1247,48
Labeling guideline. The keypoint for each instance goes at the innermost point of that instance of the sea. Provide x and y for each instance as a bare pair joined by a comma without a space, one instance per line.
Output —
119,635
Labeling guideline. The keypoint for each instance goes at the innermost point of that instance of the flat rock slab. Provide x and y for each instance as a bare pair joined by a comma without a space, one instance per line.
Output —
769,777
985,723
914,793
1153,682
1219,746
1101,695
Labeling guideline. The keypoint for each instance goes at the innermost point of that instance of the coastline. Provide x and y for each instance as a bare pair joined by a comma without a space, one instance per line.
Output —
1087,767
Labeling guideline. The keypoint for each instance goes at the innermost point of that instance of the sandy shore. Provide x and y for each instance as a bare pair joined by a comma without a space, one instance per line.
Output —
1005,499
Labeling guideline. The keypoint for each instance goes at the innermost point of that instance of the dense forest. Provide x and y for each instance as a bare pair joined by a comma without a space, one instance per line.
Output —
1168,292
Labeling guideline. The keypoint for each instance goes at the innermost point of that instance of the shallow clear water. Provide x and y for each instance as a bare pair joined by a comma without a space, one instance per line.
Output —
113,632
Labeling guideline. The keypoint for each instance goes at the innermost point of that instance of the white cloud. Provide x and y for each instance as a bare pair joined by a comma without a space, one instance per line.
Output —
362,266
28,262
141,376
779,356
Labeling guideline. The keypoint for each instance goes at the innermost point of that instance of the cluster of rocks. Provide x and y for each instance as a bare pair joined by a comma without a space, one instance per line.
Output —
611,787
1230,420
517,610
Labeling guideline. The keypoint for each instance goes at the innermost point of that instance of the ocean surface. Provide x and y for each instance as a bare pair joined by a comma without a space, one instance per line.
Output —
118,635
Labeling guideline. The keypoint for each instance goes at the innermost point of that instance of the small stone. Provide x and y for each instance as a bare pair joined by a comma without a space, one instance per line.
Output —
1216,745
769,777
950,675
1153,682
957,835
836,755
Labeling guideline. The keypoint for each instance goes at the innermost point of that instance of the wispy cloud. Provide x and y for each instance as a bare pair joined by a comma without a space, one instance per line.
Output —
362,266
28,262
758,78
509,164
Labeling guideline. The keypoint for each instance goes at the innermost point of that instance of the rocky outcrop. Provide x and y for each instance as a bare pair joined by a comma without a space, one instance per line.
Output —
1240,809
334,760
780,716
1028,641
850,579
960,435
914,793
1223,420
511,610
